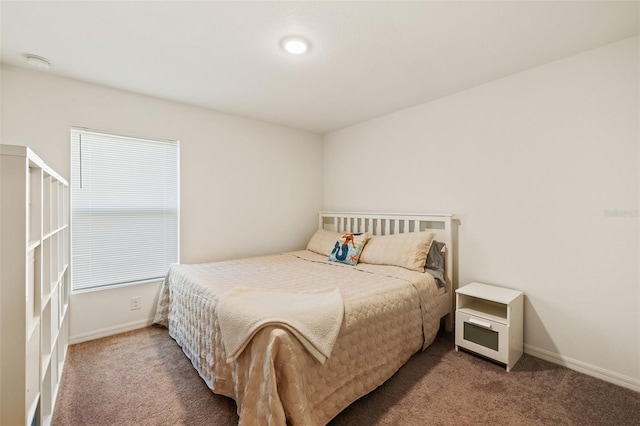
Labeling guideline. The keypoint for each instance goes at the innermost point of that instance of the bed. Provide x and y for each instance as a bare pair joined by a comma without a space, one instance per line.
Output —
350,326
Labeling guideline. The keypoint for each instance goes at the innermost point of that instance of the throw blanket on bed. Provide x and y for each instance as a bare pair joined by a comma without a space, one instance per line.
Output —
314,317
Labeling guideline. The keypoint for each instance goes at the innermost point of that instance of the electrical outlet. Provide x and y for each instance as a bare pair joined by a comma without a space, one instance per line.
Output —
135,303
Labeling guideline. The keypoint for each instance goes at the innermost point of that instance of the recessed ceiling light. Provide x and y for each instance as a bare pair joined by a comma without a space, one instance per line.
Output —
295,45
37,61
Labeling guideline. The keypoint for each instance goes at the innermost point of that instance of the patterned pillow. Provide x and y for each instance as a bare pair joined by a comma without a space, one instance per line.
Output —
348,248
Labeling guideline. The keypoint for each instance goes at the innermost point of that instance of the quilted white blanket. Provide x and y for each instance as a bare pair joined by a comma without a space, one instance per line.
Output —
314,317
389,314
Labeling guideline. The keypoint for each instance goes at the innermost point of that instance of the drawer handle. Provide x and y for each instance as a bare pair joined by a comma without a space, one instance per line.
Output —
479,323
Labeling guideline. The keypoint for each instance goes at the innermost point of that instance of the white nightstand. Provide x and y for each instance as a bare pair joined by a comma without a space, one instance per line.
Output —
489,322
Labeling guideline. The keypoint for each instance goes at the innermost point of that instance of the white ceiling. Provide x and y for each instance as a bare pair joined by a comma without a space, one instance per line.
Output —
367,58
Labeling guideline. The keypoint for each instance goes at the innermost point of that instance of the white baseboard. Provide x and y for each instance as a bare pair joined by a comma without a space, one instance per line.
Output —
583,367
96,334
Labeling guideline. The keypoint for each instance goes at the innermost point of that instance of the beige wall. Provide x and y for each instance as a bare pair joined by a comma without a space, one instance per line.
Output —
247,187
529,164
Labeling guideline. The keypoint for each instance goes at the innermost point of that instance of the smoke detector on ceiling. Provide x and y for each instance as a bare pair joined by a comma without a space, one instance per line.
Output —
37,61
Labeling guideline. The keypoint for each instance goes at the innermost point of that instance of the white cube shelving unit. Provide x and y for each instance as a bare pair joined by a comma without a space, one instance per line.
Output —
34,291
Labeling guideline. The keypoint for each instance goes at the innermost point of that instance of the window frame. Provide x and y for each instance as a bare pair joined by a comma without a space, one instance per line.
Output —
79,131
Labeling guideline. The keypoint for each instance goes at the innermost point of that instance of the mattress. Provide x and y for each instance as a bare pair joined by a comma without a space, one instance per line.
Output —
389,314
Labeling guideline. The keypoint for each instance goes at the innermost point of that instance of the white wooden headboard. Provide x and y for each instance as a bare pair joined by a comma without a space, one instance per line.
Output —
392,223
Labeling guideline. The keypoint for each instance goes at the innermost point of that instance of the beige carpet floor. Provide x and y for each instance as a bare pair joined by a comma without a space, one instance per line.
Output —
143,378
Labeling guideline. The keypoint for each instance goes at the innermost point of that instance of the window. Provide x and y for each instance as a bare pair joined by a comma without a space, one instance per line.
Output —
124,209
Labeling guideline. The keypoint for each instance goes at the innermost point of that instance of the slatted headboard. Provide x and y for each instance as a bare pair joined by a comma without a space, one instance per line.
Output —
387,224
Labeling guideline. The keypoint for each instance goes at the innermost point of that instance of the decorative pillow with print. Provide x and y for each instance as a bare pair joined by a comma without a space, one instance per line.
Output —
348,248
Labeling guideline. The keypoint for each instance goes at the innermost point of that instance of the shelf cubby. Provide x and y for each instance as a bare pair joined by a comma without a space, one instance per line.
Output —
35,203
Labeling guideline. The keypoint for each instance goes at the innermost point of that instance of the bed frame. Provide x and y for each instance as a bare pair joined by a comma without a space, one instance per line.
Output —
387,224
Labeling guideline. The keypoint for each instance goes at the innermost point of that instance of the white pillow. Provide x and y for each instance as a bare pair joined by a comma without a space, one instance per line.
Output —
408,250
323,241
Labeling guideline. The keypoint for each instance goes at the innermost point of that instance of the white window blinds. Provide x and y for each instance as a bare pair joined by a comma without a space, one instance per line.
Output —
124,209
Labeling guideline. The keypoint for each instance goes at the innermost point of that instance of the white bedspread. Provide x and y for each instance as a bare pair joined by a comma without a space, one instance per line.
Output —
313,316
389,314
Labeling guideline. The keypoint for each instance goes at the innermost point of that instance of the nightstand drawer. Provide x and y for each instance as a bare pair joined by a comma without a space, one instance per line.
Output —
482,336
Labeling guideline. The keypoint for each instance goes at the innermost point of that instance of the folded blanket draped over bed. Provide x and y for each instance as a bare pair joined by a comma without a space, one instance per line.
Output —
313,317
